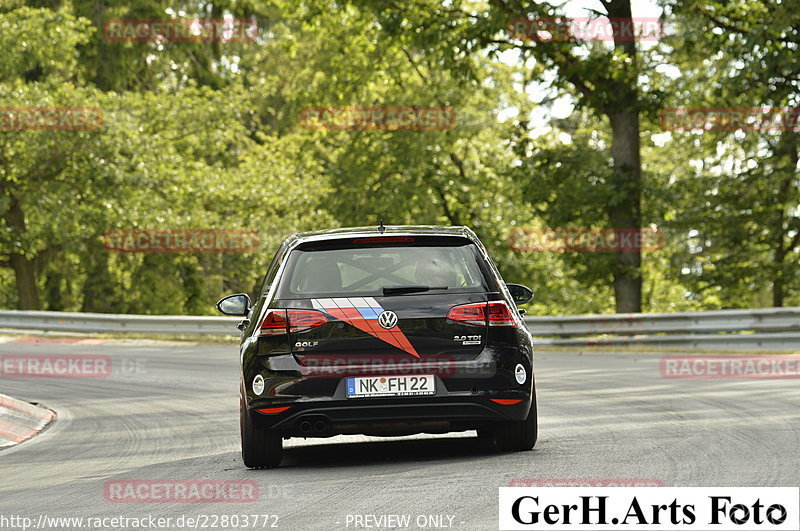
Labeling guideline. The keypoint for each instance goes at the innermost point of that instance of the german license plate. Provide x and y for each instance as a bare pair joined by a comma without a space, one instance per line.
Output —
373,386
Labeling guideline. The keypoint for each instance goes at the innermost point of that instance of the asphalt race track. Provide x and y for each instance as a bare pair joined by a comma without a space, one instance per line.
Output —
170,412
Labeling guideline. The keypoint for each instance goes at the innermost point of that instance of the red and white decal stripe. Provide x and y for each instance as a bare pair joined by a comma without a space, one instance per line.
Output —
363,312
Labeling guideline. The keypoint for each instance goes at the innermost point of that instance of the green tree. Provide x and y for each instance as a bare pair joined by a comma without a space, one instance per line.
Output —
740,188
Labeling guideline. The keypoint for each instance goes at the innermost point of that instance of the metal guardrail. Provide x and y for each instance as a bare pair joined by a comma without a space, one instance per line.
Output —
762,329
116,323
762,320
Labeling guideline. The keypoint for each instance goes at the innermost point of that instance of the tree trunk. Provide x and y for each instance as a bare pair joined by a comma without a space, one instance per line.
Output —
99,293
777,283
54,292
785,201
24,268
625,211
27,290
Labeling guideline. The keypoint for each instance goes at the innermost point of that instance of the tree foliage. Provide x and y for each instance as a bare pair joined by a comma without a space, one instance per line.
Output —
210,135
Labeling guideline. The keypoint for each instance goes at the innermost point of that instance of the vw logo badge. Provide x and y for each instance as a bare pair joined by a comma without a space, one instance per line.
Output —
387,319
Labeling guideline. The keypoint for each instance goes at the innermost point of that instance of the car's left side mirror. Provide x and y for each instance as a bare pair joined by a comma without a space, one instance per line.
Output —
521,294
238,304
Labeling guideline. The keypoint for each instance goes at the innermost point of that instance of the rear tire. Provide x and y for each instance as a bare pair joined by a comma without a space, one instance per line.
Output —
518,436
261,447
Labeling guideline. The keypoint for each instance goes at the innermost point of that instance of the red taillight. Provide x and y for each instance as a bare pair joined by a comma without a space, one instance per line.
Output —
474,314
300,320
506,401
278,322
500,315
274,323
273,410
495,313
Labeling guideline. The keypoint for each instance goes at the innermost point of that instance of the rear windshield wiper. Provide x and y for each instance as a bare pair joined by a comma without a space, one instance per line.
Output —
397,290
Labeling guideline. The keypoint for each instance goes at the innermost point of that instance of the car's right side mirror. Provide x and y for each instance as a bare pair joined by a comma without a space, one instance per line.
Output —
521,294
238,304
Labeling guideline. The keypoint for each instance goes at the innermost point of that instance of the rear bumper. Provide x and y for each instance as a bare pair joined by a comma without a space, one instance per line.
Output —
469,394
387,416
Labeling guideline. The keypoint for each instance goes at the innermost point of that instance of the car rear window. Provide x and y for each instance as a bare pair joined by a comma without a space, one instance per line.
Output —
365,271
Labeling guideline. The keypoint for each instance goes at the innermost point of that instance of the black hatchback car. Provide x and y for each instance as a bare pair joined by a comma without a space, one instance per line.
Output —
383,331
